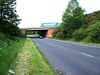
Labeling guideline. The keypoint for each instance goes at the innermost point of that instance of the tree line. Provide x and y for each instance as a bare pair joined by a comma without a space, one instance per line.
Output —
77,25
9,33
9,19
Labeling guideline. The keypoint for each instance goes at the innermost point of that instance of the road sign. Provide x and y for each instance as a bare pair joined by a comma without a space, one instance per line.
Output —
51,24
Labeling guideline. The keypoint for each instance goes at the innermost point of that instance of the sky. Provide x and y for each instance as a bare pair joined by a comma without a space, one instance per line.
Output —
35,12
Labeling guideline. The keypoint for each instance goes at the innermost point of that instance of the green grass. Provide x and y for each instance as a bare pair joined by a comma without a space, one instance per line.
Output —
33,35
84,41
7,54
30,61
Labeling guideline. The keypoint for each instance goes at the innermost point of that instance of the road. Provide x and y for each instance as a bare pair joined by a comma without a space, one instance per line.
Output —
70,58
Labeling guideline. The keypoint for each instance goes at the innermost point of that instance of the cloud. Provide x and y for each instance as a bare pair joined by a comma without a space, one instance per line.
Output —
90,5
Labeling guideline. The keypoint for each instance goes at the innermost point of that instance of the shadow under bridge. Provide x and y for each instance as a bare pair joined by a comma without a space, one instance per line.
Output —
41,31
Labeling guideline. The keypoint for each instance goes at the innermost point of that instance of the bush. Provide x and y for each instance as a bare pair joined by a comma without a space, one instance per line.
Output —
80,34
9,29
92,17
3,40
58,33
91,33
94,32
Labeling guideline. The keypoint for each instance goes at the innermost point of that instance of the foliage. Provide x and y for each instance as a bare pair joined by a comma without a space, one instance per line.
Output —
32,34
80,34
79,26
92,17
31,61
36,35
8,11
58,33
94,32
8,18
72,19
9,29
88,34
8,51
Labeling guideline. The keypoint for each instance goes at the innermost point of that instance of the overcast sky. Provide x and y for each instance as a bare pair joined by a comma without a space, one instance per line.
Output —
35,12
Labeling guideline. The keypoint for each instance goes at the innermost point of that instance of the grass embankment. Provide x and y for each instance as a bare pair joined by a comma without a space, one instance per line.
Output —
88,34
73,30
8,51
30,61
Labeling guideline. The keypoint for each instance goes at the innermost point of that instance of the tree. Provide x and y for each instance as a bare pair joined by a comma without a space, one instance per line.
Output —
72,19
8,11
8,17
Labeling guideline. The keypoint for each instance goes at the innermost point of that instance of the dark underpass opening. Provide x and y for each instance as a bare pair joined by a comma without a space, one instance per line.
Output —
36,33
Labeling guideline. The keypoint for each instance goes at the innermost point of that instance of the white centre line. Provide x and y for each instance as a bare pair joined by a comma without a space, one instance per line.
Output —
87,55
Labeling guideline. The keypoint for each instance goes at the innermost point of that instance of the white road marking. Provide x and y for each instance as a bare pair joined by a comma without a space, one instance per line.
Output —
80,44
87,55
61,46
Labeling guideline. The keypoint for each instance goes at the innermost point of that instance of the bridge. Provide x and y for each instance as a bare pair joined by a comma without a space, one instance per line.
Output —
42,31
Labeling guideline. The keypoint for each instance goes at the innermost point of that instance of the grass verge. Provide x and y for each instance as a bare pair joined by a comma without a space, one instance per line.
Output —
85,41
30,61
7,54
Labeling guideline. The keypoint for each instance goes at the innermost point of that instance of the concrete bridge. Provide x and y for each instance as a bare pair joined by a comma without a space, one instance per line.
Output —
42,31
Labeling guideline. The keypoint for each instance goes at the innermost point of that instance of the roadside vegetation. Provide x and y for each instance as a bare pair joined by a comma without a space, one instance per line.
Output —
32,34
8,52
30,61
78,26
9,33
18,55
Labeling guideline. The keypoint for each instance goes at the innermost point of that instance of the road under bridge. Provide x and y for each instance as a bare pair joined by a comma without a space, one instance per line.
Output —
42,31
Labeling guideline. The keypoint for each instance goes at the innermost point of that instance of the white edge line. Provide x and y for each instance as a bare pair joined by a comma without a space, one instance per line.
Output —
80,44
87,55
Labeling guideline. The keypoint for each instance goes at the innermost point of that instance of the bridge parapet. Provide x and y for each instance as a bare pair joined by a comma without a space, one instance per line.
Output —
43,31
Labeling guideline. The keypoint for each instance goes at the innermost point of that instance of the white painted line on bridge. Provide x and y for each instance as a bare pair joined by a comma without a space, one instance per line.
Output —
87,55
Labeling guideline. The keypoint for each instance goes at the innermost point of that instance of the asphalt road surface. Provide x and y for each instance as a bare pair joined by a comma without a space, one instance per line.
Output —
70,58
